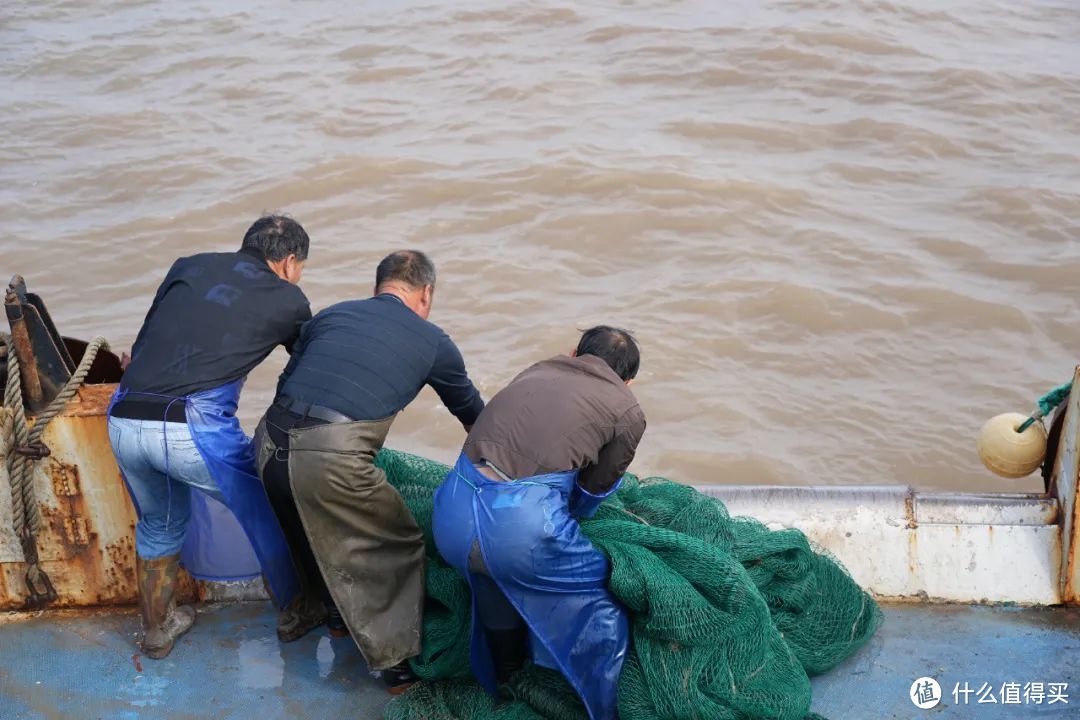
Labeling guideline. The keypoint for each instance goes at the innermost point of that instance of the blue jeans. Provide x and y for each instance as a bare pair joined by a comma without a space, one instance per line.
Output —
161,490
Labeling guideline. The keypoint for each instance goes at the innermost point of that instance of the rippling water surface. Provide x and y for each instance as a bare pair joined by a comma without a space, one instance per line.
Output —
845,232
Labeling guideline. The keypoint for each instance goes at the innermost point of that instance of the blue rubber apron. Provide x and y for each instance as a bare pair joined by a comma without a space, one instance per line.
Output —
238,543
547,569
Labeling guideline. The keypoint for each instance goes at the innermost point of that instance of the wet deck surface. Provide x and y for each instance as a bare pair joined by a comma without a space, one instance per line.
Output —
957,644
231,666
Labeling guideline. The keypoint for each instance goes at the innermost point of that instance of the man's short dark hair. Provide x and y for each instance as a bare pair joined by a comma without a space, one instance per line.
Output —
410,267
277,237
615,346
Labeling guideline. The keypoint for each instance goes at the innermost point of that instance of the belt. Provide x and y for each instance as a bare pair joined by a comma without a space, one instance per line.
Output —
151,408
307,410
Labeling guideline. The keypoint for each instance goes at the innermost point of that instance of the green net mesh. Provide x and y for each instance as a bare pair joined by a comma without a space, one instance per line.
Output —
728,618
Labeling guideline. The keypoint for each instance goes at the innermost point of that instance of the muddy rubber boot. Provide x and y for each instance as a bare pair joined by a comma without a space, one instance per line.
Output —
303,615
163,622
399,678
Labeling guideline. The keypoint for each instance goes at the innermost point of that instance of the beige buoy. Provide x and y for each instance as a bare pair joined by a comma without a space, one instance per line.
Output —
1008,453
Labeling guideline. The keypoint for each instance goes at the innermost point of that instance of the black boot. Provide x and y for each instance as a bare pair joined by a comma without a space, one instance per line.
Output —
399,678
508,650
335,623
303,615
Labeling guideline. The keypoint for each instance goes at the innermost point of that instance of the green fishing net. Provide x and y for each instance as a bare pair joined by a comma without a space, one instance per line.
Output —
728,618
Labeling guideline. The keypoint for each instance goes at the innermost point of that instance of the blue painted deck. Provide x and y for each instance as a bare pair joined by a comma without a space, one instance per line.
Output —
230,665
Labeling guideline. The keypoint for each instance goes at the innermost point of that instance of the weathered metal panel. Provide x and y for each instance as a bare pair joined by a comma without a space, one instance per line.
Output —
787,505
988,563
985,509
878,535
86,541
1066,482
232,591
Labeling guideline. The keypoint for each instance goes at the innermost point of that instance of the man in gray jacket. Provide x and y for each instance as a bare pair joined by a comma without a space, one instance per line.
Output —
544,453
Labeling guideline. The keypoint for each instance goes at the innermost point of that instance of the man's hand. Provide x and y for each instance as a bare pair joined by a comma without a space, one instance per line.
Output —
125,360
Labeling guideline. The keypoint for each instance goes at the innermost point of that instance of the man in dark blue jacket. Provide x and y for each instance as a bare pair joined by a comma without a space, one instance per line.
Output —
356,365
173,426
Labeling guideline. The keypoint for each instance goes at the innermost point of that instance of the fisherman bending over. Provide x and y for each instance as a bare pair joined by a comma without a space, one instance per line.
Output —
172,421
546,451
357,364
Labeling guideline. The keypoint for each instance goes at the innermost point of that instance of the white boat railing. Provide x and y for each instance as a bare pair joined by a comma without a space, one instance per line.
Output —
902,544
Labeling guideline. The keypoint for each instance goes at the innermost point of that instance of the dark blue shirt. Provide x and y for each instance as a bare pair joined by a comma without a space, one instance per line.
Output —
369,358
214,318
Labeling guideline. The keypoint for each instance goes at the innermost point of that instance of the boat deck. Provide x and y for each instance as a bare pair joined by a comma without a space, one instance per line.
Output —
85,665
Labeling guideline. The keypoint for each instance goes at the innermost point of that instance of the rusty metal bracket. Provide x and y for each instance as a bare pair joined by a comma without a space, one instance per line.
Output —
38,598
21,347
76,531
44,361
35,451
38,585
65,480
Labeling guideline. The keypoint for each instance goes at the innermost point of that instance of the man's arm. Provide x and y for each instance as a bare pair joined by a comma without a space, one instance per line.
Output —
303,314
451,382
616,456
295,346
302,318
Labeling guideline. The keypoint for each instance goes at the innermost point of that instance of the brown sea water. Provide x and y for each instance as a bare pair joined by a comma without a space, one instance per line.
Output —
846,233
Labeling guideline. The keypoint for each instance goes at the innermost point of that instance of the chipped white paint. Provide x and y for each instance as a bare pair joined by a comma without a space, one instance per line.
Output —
902,544
985,509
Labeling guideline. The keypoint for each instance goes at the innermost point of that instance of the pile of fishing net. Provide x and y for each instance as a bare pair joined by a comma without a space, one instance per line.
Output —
728,618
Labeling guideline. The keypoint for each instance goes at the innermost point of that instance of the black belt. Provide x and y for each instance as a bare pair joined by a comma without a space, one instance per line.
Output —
134,407
307,410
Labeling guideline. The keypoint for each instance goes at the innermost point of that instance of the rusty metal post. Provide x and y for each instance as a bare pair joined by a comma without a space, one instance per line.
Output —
33,394
1066,481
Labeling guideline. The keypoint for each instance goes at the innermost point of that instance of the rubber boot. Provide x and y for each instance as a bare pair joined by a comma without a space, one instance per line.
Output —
303,615
163,622
399,678
335,623
508,651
